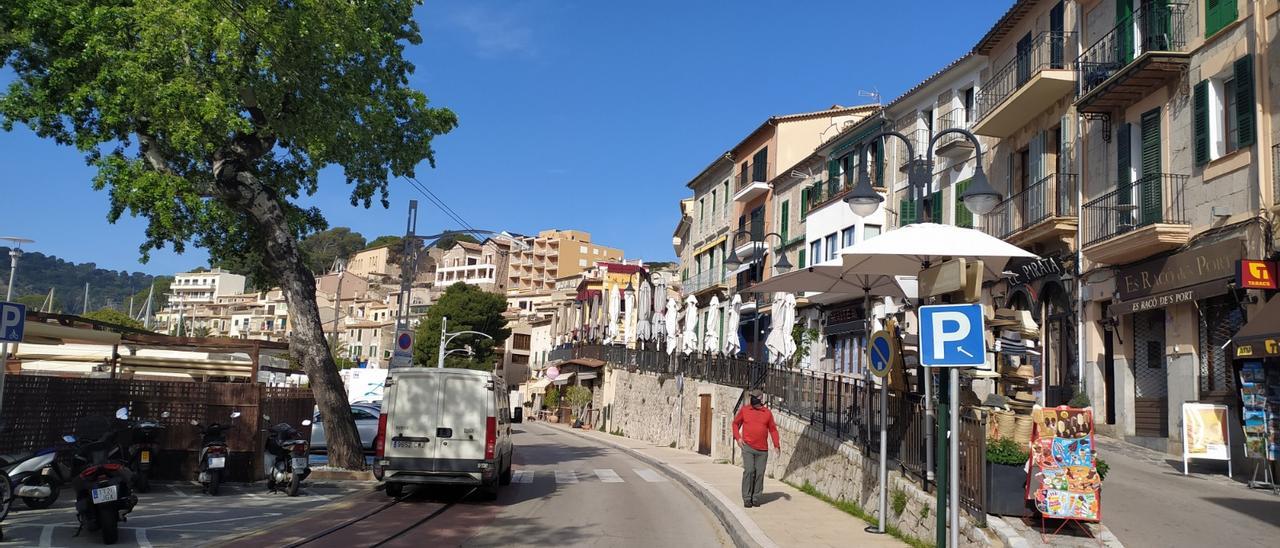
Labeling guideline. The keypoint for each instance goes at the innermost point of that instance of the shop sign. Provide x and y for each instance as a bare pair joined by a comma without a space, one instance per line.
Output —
1267,348
1252,274
1034,270
1178,271
1142,304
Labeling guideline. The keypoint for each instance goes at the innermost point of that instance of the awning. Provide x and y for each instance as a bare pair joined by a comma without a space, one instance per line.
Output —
585,362
563,379
1260,338
586,376
1170,298
539,386
711,244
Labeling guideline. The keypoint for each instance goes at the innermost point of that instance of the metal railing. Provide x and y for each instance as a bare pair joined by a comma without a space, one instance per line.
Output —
919,140
1052,196
1153,26
704,280
1152,199
752,173
838,405
1047,51
957,118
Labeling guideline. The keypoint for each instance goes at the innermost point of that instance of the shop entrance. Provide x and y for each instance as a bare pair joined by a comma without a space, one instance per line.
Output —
1150,375
704,424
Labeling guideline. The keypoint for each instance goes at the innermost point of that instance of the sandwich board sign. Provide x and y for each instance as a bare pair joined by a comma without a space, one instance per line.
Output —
953,335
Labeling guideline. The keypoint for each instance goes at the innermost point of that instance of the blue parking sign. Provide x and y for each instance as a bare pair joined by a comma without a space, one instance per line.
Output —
953,335
13,318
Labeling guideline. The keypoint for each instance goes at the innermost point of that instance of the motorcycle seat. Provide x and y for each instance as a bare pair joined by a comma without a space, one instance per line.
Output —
14,458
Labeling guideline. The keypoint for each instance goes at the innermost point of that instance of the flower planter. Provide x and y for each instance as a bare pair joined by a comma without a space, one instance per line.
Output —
1006,490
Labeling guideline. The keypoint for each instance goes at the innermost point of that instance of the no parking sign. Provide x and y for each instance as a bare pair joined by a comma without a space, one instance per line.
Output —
882,353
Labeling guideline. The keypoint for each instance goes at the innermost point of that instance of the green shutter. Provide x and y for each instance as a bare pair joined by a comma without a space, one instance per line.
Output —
1152,209
964,217
804,203
1124,162
1124,26
906,212
879,156
833,169
801,259
1244,100
935,207
1217,15
1200,122
786,220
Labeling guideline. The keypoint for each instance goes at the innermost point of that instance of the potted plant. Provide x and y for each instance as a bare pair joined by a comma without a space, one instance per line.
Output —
1006,478
551,400
578,398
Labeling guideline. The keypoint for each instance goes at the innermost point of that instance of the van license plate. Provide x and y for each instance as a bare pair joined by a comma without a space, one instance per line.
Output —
217,462
105,494
405,444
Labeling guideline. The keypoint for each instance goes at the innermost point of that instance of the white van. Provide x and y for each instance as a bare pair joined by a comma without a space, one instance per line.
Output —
444,427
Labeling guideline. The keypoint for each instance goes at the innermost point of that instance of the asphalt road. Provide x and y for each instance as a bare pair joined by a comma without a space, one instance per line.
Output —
567,491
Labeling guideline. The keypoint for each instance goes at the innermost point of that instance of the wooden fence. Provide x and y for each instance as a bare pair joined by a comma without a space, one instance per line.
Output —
43,409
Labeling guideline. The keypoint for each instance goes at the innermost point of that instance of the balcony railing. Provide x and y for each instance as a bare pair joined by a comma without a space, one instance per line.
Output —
705,280
919,140
1052,196
752,173
1048,51
1152,199
957,118
1152,27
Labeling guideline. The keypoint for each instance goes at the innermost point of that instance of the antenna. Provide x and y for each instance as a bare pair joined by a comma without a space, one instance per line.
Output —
806,174
874,93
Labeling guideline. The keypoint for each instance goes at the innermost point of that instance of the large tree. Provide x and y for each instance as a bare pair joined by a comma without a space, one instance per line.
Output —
210,118
321,249
468,308
114,317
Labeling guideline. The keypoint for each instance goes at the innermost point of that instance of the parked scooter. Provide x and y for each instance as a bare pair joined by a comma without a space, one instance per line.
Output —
103,494
213,453
143,435
37,478
291,464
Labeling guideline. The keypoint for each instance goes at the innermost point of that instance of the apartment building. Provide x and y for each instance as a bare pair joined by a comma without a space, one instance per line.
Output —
203,287
374,263
536,261
473,264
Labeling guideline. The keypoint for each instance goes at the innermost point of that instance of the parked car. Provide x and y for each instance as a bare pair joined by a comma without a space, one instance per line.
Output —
366,415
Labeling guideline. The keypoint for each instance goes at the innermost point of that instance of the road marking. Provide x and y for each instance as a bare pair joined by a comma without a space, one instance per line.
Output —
566,476
174,488
608,476
522,476
46,536
266,515
649,475
141,534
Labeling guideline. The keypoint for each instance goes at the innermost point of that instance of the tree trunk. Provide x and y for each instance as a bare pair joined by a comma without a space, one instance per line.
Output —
241,191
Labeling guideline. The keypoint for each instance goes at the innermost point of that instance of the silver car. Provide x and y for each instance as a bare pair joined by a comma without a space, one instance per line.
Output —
366,415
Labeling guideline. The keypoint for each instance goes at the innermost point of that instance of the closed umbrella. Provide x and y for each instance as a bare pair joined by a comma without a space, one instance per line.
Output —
644,310
611,317
659,307
731,343
690,343
672,320
712,339
628,319
774,341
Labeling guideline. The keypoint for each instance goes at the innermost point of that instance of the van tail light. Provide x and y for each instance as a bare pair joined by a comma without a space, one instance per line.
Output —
380,440
490,437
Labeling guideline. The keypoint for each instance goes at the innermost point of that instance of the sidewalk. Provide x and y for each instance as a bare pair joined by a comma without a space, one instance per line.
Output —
1146,501
786,518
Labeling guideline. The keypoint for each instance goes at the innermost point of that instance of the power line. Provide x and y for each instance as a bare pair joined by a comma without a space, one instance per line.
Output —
443,207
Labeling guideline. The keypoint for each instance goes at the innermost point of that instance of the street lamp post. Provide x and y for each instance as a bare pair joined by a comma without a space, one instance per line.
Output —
980,198
14,254
446,338
732,262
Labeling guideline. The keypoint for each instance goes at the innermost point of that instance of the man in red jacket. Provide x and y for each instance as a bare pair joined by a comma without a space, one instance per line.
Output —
752,428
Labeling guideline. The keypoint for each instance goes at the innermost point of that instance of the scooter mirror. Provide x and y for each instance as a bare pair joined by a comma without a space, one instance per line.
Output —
69,439
235,414
266,417
164,415
306,423
195,422
122,413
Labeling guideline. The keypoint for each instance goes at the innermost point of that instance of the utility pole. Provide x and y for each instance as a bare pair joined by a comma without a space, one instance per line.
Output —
408,267
341,267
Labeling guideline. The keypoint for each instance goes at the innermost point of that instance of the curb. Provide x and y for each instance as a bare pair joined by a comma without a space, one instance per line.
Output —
1006,533
741,528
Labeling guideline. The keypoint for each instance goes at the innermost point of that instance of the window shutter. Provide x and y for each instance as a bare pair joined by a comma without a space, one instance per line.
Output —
906,212
833,169
1244,100
786,220
964,217
804,203
1151,206
935,207
1200,122
800,261
1124,164
1217,15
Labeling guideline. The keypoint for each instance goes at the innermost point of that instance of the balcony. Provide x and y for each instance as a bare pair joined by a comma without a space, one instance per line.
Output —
1137,220
706,281
753,181
1046,210
954,145
1037,77
919,141
1140,54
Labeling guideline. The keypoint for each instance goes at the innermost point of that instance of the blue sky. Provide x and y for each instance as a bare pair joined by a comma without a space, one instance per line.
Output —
573,114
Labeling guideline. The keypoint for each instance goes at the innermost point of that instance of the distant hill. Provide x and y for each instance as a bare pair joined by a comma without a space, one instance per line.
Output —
37,273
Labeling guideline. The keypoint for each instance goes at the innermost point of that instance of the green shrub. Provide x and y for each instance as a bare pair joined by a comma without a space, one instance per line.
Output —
1079,400
1006,451
898,501
1102,467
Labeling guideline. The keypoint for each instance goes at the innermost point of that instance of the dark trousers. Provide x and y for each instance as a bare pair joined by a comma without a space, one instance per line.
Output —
753,467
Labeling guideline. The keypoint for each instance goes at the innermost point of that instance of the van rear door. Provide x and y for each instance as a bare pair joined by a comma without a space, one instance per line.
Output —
466,402
411,421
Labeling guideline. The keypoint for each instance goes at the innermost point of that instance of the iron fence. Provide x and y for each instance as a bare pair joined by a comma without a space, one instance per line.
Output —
1153,199
1052,196
1047,51
1153,26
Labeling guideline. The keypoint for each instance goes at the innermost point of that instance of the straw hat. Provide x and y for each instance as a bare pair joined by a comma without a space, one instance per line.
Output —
1025,397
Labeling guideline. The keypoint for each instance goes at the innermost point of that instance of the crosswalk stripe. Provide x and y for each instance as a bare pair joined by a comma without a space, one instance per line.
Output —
522,476
649,475
566,476
607,475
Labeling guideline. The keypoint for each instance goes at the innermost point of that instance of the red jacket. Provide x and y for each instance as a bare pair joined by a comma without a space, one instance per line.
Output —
756,427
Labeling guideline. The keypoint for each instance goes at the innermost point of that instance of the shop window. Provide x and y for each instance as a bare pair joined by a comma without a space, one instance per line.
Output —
1220,318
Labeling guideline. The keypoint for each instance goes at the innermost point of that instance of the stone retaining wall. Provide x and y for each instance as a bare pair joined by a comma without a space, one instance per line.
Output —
663,412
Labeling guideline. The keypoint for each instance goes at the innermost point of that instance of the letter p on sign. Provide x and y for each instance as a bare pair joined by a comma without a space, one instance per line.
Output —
12,318
952,335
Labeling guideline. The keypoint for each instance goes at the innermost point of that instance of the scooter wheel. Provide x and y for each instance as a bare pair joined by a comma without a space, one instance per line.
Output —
215,481
141,482
109,521
294,483
45,502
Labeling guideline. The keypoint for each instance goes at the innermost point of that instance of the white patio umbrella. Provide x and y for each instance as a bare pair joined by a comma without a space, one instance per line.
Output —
779,340
731,343
908,250
671,319
712,338
644,311
611,316
690,343
658,317
628,318
597,318
832,279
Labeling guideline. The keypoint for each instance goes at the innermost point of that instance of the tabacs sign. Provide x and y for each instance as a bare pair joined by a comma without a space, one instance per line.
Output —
1252,274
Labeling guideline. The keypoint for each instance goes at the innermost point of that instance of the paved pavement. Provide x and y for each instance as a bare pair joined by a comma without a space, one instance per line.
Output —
566,491
787,517
1146,501
172,514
